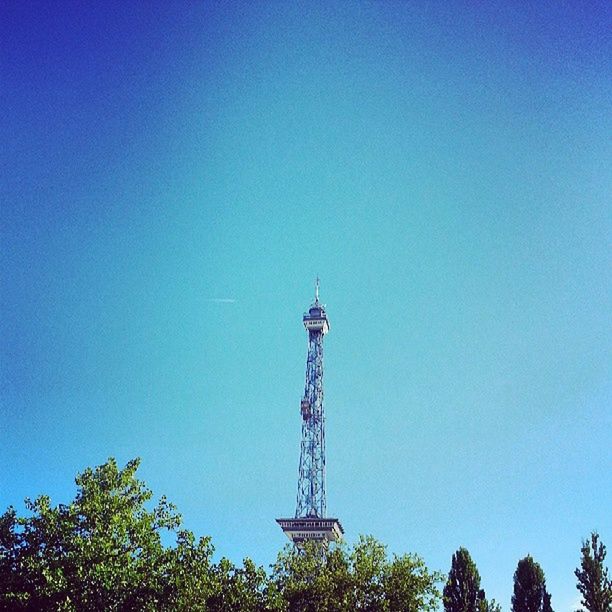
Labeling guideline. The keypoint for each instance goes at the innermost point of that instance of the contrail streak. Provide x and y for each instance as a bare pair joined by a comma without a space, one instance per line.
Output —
221,300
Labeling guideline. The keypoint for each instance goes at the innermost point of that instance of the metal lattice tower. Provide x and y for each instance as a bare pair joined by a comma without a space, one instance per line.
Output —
311,522
311,500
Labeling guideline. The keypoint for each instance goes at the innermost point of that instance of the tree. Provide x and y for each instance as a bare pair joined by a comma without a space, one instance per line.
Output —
530,594
593,581
369,565
314,578
409,586
244,589
335,579
103,551
462,591
189,580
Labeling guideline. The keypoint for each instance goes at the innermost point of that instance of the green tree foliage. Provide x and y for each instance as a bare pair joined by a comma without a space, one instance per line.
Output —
462,591
593,581
313,578
189,582
106,551
338,580
102,551
410,586
488,605
530,594
245,589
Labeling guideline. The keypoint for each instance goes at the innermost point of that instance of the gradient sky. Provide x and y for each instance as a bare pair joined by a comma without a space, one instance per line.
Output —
176,174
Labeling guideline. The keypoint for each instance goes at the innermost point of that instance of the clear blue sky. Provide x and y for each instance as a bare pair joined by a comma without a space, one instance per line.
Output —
175,175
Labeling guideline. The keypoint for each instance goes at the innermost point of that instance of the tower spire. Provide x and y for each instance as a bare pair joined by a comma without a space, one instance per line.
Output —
311,522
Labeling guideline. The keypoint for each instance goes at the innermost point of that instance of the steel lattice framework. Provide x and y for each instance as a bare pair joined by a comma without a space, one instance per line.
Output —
311,500
311,522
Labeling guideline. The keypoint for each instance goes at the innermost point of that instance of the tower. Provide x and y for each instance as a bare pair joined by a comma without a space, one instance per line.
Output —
311,522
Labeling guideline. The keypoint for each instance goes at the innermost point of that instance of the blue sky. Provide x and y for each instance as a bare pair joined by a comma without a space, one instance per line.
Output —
174,177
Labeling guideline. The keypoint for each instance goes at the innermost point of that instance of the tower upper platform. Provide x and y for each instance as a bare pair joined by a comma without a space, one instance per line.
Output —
316,317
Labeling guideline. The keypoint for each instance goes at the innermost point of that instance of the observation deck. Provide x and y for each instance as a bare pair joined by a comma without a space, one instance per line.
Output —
316,318
300,530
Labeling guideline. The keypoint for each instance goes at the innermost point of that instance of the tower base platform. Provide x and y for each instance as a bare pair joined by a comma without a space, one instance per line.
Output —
305,529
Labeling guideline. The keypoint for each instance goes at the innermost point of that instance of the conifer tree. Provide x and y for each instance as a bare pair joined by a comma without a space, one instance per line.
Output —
530,594
462,591
593,581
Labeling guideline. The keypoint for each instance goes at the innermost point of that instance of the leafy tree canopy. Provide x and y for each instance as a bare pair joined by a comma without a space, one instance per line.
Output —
336,579
105,551
593,581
